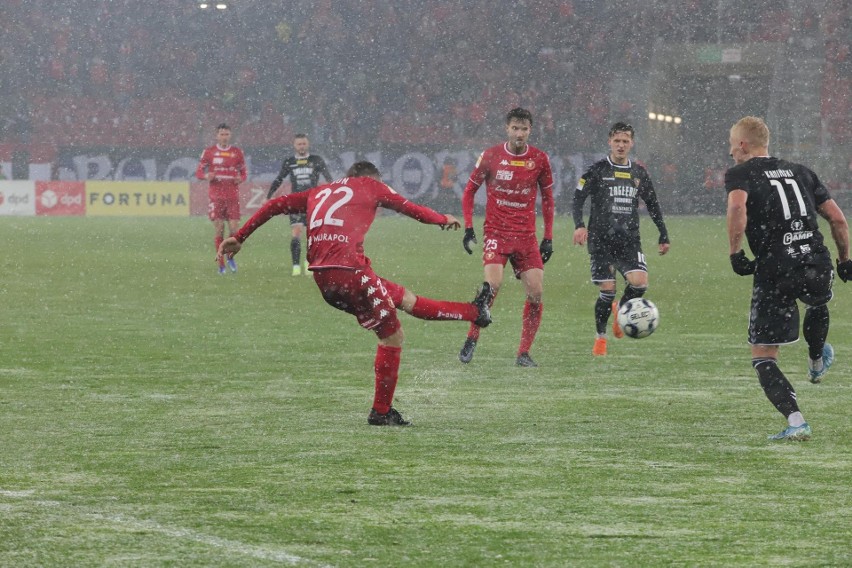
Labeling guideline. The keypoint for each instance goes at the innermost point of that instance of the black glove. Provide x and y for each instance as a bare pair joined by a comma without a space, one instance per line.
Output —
545,249
469,237
844,269
741,263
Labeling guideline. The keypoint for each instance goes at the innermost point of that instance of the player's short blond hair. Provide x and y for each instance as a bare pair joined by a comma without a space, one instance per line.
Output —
753,130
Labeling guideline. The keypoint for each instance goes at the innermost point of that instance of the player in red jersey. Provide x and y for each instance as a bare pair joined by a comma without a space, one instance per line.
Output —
224,166
339,215
514,172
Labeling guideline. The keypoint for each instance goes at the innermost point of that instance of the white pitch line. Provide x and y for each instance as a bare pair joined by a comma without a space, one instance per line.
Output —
231,546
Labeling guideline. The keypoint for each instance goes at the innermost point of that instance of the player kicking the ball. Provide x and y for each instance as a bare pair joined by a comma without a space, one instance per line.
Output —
339,215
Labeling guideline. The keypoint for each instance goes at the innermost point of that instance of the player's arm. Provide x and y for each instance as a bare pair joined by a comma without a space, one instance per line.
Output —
830,211
737,219
548,207
203,166
581,192
291,203
242,169
426,215
474,181
656,213
323,169
279,179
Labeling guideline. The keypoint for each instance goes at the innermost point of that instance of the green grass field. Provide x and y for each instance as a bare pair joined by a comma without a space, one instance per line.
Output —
153,413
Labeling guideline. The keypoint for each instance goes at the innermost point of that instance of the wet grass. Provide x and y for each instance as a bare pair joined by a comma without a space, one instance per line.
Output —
154,413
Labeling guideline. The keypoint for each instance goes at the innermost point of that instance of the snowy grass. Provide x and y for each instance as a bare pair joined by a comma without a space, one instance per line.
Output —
154,413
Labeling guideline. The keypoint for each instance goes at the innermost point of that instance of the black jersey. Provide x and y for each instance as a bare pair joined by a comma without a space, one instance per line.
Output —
615,191
781,208
304,173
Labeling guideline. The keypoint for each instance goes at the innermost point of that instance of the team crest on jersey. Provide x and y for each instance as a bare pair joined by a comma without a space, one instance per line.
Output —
530,164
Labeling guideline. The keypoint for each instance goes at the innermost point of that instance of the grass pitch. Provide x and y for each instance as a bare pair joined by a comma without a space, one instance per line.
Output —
153,413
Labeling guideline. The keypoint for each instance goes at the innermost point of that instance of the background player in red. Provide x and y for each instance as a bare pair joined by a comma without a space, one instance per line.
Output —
339,215
514,172
224,166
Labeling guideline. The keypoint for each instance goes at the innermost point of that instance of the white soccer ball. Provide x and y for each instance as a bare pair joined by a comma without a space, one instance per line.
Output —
638,318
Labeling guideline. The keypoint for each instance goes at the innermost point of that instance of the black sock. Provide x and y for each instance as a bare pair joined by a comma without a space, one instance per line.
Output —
632,292
603,308
296,250
815,330
775,385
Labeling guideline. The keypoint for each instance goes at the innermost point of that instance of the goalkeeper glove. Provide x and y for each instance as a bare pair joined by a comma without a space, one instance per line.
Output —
741,263
546,250
844,269
469,237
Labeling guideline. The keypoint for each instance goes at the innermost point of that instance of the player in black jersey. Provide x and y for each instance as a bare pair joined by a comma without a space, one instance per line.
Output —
615,185
304,170
775,204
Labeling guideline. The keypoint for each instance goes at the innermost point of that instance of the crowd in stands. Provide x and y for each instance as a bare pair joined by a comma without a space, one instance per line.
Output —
362,73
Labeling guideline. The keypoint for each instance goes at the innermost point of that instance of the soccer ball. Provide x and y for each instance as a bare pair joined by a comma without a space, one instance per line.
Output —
638,318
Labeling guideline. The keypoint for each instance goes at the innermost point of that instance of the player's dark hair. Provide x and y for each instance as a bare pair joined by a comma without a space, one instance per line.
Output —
300,135
222,125
362,169
621,127
519,113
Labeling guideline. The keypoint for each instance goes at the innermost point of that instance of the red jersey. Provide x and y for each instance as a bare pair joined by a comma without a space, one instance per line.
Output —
229,167
512,182
339,215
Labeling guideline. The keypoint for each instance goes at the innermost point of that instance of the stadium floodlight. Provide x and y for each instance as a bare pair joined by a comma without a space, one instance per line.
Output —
669,118
677,120
652,116
204,5
661,117
221,6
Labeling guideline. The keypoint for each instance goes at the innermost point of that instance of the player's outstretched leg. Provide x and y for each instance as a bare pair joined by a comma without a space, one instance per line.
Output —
484,298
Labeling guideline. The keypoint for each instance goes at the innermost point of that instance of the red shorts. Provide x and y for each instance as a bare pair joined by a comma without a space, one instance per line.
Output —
364,295
225,207
521,251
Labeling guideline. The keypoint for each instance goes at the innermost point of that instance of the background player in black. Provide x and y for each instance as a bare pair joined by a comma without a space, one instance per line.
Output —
304,170
615,185
775,203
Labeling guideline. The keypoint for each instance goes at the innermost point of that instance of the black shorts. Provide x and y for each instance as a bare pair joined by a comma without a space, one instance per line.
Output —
298,219
624,257
774,315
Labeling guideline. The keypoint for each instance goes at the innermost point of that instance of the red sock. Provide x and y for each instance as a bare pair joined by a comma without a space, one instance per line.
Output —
532,319
218,242
387,374
429,309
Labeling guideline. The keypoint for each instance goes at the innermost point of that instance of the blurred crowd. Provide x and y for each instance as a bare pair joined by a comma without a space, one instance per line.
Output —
361,73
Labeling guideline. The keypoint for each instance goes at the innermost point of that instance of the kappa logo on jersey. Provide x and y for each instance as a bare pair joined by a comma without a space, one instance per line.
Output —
504,175
624,175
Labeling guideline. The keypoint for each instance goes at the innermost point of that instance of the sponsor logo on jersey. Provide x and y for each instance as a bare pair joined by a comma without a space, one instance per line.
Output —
504,175
518,163
790,238
624,175
301,162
